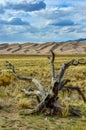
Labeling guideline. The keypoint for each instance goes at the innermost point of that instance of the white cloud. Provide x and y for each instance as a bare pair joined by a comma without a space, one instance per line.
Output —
58,11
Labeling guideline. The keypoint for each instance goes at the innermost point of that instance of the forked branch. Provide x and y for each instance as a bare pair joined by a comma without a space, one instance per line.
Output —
65,67
35,81
49,99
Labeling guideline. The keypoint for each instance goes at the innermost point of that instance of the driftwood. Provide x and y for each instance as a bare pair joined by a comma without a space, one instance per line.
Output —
49,99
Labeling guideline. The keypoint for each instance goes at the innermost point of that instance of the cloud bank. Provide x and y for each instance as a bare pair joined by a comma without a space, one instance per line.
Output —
42,20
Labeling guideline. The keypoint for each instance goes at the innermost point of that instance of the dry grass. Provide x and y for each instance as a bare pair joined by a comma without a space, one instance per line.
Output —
12,115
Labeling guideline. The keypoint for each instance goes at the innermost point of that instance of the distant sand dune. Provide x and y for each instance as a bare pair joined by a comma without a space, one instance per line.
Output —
3,46
74,47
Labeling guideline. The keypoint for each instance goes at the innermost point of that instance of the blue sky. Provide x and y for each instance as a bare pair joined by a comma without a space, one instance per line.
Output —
42,20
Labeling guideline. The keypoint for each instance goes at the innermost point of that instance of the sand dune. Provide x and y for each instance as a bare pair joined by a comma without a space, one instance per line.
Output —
73,47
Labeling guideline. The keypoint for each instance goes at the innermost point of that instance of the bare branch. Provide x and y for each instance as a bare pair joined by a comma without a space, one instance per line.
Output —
8,64
51,59
35,81
62,83
75,112
65,66
77,89
76,62
29,93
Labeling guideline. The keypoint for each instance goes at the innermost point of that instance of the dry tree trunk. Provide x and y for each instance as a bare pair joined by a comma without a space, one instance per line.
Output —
49,99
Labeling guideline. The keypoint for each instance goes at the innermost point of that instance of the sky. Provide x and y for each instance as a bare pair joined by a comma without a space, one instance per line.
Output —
42,20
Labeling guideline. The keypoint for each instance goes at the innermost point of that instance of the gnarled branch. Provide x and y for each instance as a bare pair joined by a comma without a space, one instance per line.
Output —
35,81
64,68
77,89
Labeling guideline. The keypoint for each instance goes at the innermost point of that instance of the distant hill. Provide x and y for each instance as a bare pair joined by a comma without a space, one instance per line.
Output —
69,47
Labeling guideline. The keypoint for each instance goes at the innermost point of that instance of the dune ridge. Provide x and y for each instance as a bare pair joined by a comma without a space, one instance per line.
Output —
71,47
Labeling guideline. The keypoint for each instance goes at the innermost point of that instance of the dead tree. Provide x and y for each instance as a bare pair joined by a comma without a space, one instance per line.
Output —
49,99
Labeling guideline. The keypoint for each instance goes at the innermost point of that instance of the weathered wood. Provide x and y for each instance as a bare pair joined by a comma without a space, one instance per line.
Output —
29,93
77,89
35,81
51,59
65,67
49,99
75,112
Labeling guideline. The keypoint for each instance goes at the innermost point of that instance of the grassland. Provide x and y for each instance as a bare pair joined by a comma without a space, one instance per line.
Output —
13,103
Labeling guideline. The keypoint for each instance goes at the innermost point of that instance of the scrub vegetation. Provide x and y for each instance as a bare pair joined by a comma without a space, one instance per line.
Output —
15,105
